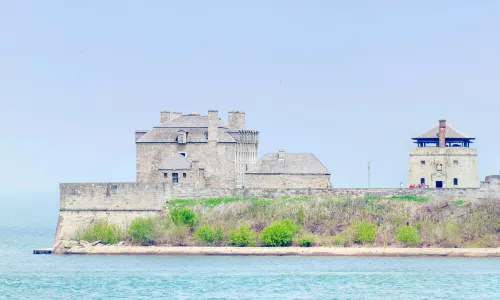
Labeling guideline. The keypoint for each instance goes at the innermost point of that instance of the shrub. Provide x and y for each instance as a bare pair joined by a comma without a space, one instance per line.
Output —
365,232
279,233
340,239
408,235
306,241
176,235
108,233
144,230
243,236
207,235
183,216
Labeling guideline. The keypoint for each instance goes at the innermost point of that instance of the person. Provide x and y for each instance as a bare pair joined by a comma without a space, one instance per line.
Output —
411,186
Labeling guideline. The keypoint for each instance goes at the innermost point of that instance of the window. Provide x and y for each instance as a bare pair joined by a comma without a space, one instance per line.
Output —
175,177
182,153
165,175
422,180
422,163
455,163
184,175
455,181
439,167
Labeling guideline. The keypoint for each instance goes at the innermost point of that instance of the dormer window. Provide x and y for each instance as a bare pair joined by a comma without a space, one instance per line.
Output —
181,137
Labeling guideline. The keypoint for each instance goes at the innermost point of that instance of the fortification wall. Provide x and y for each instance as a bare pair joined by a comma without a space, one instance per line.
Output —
120,203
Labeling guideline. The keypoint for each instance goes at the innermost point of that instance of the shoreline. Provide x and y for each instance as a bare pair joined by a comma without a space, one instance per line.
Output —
283,251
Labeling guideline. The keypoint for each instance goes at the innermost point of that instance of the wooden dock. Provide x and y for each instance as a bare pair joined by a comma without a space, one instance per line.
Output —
43,251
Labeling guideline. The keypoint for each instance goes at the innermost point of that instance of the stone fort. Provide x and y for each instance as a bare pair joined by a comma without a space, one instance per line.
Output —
207,152
190,155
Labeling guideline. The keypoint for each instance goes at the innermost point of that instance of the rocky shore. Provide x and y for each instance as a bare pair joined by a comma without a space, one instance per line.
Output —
99,249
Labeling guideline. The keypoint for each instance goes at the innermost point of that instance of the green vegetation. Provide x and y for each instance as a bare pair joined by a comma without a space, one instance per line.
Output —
243,236
183,216
144,230
365,232
411,198
208,235
306,241
408,235
107,233
315,220
458,202
279,233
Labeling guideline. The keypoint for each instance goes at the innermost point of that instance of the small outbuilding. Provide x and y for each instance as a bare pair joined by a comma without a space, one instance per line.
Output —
288,170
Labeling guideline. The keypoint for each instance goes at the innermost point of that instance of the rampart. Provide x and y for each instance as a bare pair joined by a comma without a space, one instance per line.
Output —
120,203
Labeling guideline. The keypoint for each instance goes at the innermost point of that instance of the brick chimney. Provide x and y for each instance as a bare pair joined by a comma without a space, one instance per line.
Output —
442,133
236,119
176,115
213,126
165,116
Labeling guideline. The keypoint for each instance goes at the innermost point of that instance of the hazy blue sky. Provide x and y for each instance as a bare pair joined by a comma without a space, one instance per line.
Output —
350,81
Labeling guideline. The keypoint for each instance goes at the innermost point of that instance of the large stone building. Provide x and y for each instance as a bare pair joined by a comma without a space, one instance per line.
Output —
288,170
208,152
443,158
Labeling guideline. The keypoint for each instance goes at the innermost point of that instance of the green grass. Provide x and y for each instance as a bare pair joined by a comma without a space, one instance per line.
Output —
411,198
458,203
107,233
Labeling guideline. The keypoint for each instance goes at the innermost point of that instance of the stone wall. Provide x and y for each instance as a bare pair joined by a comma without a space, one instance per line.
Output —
444,164
253,180
218,160
120,203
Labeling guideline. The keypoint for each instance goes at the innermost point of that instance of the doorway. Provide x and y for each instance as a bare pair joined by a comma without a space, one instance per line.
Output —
439,184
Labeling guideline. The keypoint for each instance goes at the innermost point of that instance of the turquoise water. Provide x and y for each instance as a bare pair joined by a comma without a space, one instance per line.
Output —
27,276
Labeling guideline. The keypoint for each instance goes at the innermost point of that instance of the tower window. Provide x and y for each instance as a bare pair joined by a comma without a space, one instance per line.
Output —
455,181
422,180
455,163
422,163
439,167
182,153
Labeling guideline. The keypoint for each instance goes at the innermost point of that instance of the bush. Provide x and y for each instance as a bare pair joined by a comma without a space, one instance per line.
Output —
183,216
306,241
243,236
340,239
207,235
144,230
108,233
176,235
279,233
408,235
365,232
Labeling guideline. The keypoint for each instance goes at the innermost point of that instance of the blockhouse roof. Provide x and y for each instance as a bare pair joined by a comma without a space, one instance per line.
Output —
451,133
293,163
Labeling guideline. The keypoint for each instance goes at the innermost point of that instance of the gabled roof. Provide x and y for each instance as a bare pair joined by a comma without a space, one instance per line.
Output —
176,162
189,121
294,163
451,133
195,135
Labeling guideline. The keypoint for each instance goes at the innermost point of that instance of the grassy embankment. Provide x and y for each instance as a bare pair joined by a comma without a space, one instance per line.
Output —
313,221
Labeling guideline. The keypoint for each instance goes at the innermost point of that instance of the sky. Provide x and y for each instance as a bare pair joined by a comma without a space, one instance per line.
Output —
350,81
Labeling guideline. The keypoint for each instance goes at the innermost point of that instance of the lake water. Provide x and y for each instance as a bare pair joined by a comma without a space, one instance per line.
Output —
27,276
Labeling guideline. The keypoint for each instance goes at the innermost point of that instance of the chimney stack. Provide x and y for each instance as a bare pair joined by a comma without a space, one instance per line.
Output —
176,115
442,133
281,155
165,116
213,126
236,120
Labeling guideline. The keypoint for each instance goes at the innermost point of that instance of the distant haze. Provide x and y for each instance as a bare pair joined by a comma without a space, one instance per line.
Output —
350,82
